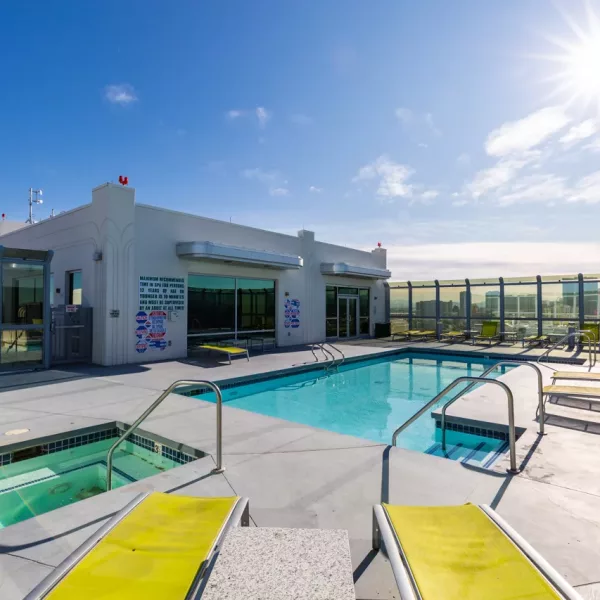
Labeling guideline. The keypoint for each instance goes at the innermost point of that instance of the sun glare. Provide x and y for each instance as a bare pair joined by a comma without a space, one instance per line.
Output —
577,62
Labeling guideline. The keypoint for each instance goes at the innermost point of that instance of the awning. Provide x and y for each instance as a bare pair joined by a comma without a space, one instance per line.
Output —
347,270
234,254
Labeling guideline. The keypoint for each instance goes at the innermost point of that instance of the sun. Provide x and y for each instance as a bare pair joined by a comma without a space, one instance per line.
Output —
576,77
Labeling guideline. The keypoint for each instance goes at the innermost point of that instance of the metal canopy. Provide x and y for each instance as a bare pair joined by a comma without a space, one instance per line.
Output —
344,269
214,251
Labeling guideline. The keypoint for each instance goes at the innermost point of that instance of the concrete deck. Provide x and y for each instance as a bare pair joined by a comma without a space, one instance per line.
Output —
299,476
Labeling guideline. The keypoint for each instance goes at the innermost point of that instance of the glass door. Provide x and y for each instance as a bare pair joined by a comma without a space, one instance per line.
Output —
347,316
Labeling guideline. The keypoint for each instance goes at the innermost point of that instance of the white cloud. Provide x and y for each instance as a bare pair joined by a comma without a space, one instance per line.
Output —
272,180
593,146
314,189
587,189
463,160
522,135
584,130
260,112
122,94
490,259
404,115
422,145
489,180
417,121
235,114
430,195
535,188
300,119
263,116
392,177
432,126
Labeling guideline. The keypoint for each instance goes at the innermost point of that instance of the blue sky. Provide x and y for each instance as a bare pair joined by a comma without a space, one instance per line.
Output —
439,128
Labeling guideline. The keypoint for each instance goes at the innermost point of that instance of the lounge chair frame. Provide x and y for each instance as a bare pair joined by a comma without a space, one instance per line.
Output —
239,515
384,532
226,350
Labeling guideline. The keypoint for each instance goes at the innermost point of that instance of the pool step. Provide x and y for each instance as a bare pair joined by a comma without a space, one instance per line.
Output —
483,454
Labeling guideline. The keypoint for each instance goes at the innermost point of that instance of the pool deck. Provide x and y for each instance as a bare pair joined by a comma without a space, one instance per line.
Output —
303,477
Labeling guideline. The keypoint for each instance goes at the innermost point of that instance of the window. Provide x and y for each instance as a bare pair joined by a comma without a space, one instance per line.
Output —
363,311
256,304
22,294
74,290
221,306
423,302
331,309
485,302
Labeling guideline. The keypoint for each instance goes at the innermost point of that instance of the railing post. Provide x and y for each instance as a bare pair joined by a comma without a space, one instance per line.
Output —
410,306
538,279
581,299
438,324
468,306
501,308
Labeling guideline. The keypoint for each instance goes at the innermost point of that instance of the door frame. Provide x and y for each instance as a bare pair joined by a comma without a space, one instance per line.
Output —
346,298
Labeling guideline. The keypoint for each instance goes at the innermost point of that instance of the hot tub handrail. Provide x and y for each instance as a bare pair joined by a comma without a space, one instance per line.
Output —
219,468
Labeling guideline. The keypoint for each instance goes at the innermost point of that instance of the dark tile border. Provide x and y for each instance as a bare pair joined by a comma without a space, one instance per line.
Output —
179,453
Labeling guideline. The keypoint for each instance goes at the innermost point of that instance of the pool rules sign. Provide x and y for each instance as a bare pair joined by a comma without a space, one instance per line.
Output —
158,297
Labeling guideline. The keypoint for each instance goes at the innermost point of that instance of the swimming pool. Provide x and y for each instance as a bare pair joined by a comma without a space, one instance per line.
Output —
38,485
370,399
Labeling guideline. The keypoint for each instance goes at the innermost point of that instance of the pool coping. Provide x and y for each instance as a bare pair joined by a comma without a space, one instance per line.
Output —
232,382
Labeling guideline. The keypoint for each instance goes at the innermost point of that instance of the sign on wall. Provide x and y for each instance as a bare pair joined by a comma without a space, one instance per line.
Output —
158,297
162,293
292,313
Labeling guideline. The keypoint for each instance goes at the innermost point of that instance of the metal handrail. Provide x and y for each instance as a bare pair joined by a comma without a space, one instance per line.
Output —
219,468
338,365
570,335
487,372
511,414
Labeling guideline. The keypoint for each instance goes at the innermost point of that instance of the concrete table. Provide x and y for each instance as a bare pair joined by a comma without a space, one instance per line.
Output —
267,563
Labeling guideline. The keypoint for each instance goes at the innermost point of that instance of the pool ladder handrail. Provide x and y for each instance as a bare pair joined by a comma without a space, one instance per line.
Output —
540,410
334,364
580,333
218,469
464,378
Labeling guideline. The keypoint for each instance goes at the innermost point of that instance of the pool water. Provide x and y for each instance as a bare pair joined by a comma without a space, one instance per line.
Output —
371,399
38,485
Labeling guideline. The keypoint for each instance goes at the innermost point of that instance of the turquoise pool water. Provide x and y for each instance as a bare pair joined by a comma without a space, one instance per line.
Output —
38,485
371,399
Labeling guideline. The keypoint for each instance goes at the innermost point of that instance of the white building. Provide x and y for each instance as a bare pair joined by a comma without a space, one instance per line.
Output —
158,279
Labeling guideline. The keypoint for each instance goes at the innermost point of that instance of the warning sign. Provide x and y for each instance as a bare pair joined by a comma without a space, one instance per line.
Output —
162,293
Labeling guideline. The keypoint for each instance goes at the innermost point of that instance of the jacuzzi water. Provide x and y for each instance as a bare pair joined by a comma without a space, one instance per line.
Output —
37,485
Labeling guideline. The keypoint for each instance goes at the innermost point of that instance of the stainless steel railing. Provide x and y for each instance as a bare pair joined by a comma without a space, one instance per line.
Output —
583,334
541,410
219,468
334,364
511,413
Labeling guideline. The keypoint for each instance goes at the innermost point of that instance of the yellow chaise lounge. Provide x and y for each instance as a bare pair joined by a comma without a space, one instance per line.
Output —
462,553
229,350
155,548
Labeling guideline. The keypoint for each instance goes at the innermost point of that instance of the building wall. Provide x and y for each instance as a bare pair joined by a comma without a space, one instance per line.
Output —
139,240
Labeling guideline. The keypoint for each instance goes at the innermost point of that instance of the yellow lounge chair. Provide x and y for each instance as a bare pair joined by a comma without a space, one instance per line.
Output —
229,350
489,333
157,547
573,391
453,336
462,553
535,340
575,376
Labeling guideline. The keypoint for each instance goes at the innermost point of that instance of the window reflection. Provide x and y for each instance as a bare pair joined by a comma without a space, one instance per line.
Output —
22,294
